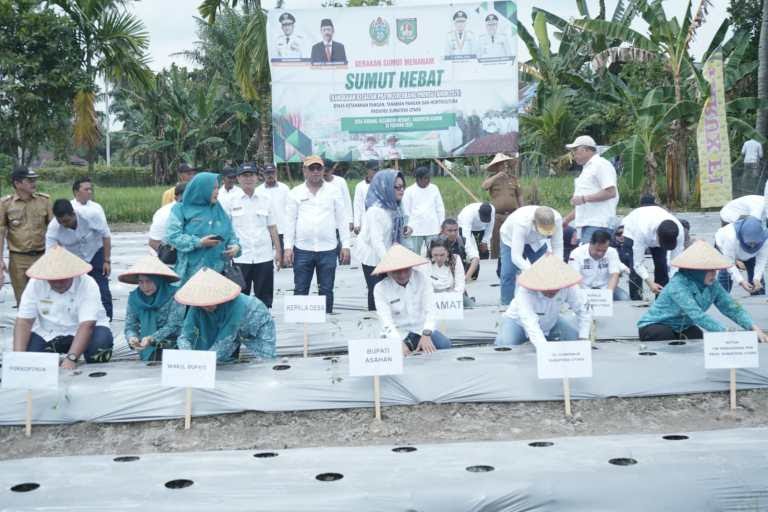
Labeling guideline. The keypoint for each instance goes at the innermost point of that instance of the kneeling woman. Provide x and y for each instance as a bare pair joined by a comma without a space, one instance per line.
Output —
447,270
220,318
679,312
405,302
152,319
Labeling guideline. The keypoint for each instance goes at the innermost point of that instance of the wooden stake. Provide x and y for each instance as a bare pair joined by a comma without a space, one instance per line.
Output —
733,389
188,410
567,396
306,341
377,397
28,422
457,180
397,165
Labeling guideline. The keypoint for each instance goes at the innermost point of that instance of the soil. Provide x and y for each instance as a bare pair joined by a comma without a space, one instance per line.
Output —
401,425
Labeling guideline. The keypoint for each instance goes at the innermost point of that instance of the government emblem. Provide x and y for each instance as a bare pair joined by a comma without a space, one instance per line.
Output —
379,31
406,30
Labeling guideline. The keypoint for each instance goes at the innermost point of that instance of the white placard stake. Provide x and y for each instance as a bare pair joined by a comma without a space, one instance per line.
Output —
189,369
304,309
28,421
375,357
567,396
188,410
306,340
564,360
30,370
731,350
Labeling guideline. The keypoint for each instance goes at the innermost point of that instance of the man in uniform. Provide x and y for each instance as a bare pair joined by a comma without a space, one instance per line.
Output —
460,41
506,194
289,45
491,44
24,218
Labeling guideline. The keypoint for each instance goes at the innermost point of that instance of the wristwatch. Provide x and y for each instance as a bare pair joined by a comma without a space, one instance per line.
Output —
72,357
426,332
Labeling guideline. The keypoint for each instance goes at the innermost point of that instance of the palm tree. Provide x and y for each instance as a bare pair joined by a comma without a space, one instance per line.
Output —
114,44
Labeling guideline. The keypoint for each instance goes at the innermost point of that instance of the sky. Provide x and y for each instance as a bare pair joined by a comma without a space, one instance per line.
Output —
172,27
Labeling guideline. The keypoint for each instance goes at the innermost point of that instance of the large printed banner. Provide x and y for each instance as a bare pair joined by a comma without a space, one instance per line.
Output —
394,82
712,139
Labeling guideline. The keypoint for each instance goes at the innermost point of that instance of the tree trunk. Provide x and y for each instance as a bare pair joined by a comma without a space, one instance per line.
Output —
264,151
651,169
762,72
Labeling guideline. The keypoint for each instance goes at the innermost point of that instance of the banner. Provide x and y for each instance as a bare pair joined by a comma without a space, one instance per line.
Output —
712,139
386,83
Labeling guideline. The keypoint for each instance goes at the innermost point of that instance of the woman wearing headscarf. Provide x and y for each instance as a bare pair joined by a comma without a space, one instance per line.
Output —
383,225
220,318
743,241
152,318
200,229
680,310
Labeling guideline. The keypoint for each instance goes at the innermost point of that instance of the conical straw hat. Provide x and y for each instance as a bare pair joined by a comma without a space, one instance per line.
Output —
207,288
548,273
58,263
398,258
149,265
701,256
499,158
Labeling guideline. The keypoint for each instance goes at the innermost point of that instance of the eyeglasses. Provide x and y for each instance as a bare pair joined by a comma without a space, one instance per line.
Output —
399,187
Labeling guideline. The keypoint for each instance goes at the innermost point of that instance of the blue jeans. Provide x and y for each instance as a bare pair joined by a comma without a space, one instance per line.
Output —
97,262
440,340
307,263
98,350
620,294
586,233
415,242
509,270
512,332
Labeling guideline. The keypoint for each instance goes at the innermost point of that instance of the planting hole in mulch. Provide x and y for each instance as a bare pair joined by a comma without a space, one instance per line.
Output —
404,449
265,455
676,343
179,484
126,458
541,444
97,374
502,349
480,469
675,437
329,477
647,353
26,487
622,462
465,358
280,367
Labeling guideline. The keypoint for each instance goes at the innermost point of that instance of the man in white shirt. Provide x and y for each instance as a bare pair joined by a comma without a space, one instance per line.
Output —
527,234
82,189
278,197
654,228
599,265
752,205
254,223
160,219
476,226
60,311
752,151
424,210
405,302
595,193
87,236
314,214
361,190
743,243
229,186
341,185
535,313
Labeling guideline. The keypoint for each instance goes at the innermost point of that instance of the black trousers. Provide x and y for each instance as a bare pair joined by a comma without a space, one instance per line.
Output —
660,332
261,278
478,236
371,281
660,268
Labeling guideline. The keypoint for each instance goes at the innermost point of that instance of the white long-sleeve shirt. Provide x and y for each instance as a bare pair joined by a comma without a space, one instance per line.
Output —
341,184
84,241
445,281
745,205
278,196
404,309
597,174
537,314
424,209
375,238
358,204
160,221
91,210
728,244
641,225
469,220
312,219
518,231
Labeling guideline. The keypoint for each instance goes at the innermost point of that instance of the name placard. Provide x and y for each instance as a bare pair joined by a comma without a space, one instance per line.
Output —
561,359
189,369
304,309
30,370
731,350
449,306
600,302
377,356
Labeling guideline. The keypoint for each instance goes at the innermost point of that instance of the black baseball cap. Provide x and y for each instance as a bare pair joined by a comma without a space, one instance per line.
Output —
248,167
269,168
667,233
372,165
229,171
19,173
183,167
485,211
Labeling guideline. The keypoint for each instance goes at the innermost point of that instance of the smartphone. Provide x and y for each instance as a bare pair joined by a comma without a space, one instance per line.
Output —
217,237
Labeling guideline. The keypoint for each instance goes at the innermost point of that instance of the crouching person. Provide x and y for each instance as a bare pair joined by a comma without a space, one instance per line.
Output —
405,302
220,318
152,318
680,311
535,312
61,311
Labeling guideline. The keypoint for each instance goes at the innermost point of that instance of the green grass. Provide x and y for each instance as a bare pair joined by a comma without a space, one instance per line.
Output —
137,204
